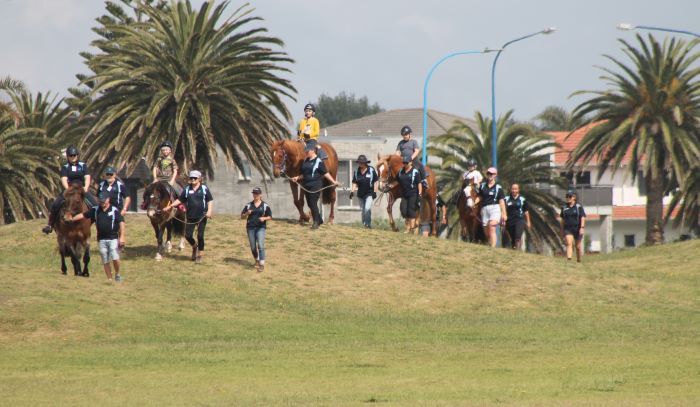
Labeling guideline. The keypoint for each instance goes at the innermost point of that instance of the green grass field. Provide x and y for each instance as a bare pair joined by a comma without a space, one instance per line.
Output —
345,316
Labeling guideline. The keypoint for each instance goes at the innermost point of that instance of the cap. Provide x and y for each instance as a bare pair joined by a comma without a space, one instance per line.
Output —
102,197
257,190
310,147
110,170
361,159
492,170
570,193
195,174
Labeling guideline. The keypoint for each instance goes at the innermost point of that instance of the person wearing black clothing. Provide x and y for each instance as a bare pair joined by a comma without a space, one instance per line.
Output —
573,223
111,233
313,171
197,198
116,190
411,190
257,212
364,183
518,213
493,209
73,172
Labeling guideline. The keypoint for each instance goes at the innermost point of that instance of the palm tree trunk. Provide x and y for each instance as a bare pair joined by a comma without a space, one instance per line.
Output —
655,209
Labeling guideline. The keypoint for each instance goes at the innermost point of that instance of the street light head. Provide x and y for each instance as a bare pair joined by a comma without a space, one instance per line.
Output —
487,50
626,27
549,30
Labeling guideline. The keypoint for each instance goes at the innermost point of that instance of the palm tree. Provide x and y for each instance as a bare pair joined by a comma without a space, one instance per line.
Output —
687,201
524,157
28,158
193,77
556,118
650,115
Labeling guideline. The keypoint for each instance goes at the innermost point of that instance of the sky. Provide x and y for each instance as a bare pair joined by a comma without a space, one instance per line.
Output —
383,49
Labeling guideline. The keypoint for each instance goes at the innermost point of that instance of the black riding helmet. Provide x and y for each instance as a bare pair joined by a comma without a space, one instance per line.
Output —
165,144
72,150
310,106
406,130
471,162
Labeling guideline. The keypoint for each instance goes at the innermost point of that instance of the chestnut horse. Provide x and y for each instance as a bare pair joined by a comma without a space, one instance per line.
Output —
156,197
287,157
73,237
388,168
469,219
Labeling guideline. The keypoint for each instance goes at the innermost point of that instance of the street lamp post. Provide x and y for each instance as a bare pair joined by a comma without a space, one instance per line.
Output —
424,158
494,140
630,27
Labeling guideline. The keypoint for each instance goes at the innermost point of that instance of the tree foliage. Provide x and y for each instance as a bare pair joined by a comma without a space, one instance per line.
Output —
556,118
523,152
647,121
201,79
332,110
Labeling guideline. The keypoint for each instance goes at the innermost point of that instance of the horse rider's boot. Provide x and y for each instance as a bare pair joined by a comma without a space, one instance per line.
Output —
49,227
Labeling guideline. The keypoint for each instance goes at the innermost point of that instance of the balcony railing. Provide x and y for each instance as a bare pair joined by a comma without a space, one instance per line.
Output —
588,195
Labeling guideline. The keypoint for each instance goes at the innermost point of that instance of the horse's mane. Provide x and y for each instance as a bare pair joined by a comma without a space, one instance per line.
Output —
161,187
74,197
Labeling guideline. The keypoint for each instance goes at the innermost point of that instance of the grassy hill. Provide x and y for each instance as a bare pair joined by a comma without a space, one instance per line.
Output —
346,316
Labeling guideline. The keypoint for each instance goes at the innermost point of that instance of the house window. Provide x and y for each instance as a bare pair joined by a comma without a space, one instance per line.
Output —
244,173
581,178
629,241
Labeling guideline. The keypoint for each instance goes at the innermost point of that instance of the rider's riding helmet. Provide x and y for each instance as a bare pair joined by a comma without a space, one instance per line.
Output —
471,162
310,106
406,130
72,150
166,144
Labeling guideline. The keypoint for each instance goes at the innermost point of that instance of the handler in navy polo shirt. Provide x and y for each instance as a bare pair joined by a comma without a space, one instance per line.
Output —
198,200
518,213
313,171
493,208
111,233
116,190
573,224
412,192
364,182
257,212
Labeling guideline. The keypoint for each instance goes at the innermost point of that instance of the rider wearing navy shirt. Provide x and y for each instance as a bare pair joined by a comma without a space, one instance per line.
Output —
73,172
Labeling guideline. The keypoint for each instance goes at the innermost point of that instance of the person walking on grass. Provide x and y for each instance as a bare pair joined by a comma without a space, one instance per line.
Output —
198,199
257,212
493,208
518,218
313,171
573,224
364,183
115,189
411,190
111,233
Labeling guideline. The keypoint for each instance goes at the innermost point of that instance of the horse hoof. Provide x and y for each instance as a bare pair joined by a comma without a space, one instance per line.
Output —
159,257
169,247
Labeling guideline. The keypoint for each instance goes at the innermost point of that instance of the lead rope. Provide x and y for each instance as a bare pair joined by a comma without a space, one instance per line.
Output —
306,190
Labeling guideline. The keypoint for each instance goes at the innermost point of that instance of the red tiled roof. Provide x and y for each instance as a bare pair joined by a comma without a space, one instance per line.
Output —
634,212
568,141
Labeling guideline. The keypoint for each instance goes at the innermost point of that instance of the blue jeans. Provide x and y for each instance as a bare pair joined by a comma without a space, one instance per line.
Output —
366,206
256,238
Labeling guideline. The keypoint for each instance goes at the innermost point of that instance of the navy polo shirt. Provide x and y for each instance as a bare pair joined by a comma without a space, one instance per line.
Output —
490,196
263,210
197,201
107,222
409,181
313,171
572,216
116,191
365,181
75,172
516,208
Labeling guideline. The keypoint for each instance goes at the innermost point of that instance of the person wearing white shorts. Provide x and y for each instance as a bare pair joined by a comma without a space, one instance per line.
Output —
493,209
111,236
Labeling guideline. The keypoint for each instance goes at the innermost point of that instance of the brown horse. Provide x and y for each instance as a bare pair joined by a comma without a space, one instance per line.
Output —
156,197
469,219
388,168
287,157
73,237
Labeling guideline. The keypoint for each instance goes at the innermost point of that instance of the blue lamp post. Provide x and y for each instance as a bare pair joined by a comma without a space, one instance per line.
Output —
424,158
494,139
630,27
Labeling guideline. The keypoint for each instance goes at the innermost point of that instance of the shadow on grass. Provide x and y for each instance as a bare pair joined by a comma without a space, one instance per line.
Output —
242,262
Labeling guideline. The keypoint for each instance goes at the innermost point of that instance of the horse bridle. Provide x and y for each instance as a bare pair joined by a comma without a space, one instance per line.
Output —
282,167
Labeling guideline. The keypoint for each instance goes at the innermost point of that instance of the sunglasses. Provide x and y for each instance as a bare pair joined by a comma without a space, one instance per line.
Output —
72,155
193,178
490,173
109,174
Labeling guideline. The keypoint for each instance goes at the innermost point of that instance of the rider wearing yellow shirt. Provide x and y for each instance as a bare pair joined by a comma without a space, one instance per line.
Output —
309,129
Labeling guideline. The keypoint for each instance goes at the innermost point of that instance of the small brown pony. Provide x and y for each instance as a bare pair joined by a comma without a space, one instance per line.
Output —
73,238
156,197
287,157
469,218
388,168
